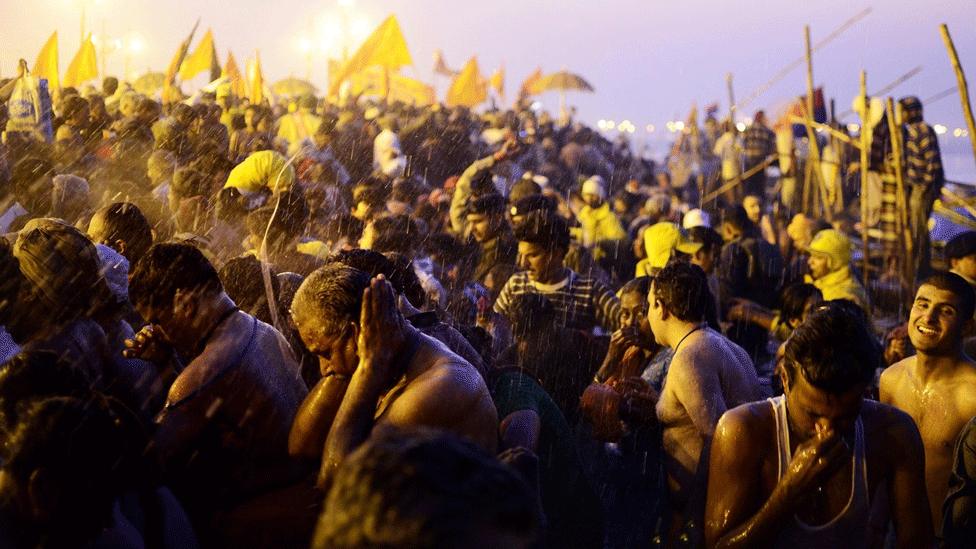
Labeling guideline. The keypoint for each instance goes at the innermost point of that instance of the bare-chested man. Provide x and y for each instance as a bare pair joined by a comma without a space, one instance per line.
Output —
223,432
804,469
708,375
936,386
377,369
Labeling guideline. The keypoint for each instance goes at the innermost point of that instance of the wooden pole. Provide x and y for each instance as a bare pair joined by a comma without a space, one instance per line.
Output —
896,150
728,84
967,108
864,175
814,155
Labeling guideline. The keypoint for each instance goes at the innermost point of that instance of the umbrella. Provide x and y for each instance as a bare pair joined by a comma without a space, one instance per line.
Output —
293,87
564,81
150,82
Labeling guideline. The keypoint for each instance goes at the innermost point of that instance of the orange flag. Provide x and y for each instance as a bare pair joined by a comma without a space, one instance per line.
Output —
47,63
174,64
469,88
255,80
498,81
238,85
531,84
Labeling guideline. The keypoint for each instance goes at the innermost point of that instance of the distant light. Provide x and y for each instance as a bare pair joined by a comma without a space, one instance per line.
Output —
679,125
536,106
304,45
649,128
136,44
940,129
741,126
602,124
853,128
957,132
610,124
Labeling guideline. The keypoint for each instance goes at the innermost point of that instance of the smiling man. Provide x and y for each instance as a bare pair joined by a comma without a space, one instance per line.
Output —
935,386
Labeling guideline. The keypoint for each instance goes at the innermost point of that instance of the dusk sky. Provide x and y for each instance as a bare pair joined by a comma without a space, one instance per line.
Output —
648,60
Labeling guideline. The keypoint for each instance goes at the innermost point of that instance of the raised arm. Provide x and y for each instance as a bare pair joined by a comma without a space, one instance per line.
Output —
315,417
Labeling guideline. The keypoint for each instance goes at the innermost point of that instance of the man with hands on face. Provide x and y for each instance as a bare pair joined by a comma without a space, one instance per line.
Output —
803,469
377,370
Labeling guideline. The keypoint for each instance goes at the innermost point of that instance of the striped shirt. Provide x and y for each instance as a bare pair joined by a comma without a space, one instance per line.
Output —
581,302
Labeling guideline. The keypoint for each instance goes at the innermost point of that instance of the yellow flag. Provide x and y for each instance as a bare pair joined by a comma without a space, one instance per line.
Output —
531,84
238,85
174,64
83,67
377,81
498,81
469,88
47,63
255,80
385,47
203,58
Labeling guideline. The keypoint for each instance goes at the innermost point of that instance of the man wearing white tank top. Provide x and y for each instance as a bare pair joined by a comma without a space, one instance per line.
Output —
803,470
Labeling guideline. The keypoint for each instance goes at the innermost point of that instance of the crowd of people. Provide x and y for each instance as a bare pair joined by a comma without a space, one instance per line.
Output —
369,324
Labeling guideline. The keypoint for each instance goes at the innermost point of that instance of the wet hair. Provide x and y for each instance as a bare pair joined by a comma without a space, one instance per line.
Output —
711,241
125,221
834,348
243,280
335,291
545,229
423,488
188,182
794,299
957,285
640,285
400,274
488,204
230,205
167,268
394,233
682,289
33,375
531,314
284,218
737,217
109,85
10,281
72,105
78,446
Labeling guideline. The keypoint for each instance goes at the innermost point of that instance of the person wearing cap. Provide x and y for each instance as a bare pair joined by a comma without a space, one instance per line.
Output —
696,218
600,228
490,230
830,271
661,241
300,125
960,252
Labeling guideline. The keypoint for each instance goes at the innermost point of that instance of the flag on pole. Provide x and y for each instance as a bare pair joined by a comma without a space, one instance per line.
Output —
174,64
531,84
498,81
84,66
255,80
47,63
203,58
238,85
469,88
440,65
385,47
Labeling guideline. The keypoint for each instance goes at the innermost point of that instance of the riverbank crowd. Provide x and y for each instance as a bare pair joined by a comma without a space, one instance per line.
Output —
310,323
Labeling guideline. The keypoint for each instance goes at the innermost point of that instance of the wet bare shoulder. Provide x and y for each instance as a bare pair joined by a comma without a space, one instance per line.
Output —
748,425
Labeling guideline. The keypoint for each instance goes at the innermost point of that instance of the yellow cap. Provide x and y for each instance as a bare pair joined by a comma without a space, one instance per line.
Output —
835,245
660,241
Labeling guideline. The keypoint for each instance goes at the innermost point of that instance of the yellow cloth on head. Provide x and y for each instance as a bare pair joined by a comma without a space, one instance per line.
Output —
262,170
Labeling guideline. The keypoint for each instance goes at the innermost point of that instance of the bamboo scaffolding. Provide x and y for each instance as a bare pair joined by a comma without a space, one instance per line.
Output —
864,175
967,108
732,183
903,227
813,158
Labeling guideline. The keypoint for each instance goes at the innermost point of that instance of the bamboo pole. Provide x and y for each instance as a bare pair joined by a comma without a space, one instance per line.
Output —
728,84
967,108
814,155
959,200
896,150
732,183
864,175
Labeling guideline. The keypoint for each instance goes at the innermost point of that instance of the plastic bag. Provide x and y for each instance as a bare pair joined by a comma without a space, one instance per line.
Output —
29,108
